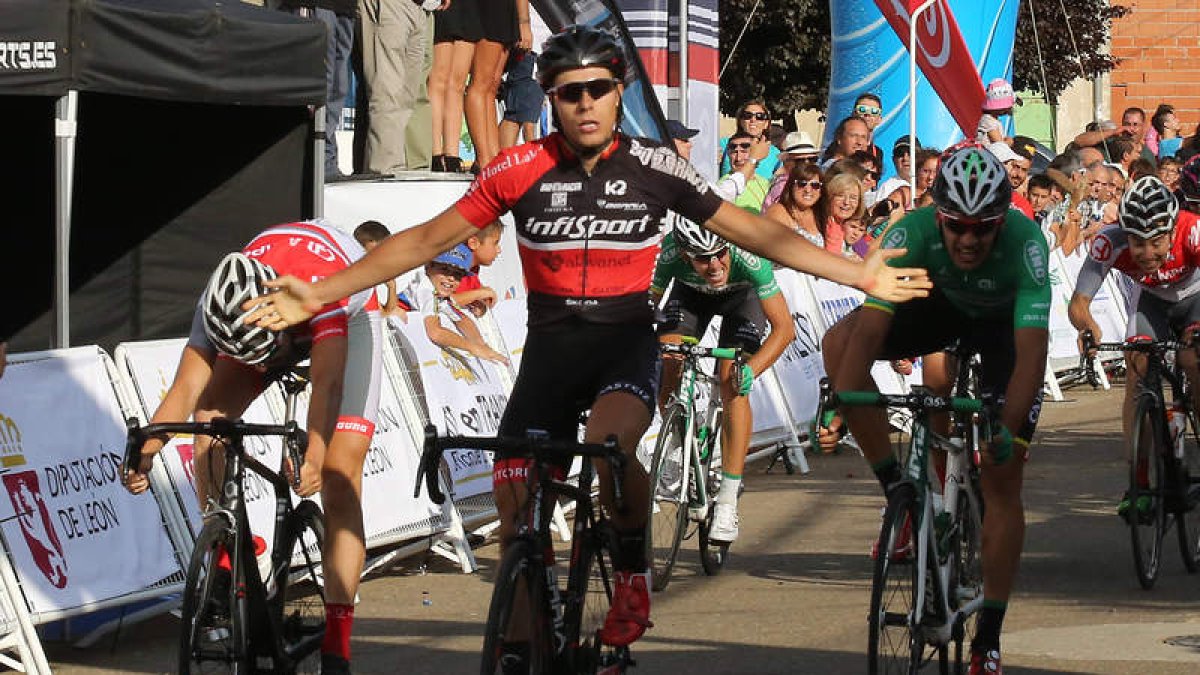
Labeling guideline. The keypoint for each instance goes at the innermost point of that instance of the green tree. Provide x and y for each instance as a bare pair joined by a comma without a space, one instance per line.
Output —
782,57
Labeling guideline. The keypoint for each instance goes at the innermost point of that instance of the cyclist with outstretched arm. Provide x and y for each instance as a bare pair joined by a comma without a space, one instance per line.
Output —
588,204
712,278
988,264
1156,245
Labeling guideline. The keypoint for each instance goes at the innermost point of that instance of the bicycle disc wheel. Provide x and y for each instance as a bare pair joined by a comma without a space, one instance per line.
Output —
518,638
302,602
668,514
214,628
589,597
894,644
1146,516
713,555
966,572
1187,522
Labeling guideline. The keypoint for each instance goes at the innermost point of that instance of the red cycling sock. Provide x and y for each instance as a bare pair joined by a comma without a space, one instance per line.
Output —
338,621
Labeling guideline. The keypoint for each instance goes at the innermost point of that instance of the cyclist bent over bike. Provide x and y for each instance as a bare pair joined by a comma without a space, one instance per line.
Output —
1157,246
588,203
227,364
991,291
713,278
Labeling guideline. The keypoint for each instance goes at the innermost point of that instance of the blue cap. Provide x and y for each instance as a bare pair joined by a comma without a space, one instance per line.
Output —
459,256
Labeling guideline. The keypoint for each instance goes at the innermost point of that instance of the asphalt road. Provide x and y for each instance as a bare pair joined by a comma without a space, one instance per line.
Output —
793,597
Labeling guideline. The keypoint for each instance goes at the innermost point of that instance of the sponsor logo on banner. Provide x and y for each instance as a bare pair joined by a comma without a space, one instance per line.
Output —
11,453
28,55
38,527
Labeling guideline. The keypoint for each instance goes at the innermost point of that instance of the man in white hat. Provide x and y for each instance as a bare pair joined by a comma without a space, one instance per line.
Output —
1018,171
797,147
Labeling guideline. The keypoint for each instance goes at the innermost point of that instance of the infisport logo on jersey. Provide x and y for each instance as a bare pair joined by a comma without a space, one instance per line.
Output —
38,527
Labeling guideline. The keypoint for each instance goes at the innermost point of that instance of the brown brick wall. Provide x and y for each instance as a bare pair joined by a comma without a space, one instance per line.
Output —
1158,43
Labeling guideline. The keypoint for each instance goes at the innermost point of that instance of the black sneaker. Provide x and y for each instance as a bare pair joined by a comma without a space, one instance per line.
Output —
332,664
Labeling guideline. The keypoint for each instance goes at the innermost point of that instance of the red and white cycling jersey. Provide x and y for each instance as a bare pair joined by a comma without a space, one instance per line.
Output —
313,250
1178,278
588,242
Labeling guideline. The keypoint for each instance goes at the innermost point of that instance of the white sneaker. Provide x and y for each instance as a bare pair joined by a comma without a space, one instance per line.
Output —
724,523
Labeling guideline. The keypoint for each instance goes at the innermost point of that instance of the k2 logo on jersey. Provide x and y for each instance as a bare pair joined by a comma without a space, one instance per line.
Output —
615,188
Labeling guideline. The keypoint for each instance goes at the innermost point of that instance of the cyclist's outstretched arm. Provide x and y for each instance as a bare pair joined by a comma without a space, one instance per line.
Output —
777,242
783,331
297,300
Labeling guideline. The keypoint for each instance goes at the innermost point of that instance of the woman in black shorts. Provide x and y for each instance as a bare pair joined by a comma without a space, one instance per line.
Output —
504,25
456,29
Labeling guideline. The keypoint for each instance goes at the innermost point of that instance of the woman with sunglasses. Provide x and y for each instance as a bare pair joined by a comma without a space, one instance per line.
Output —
754,120
800,203
587,202
989,265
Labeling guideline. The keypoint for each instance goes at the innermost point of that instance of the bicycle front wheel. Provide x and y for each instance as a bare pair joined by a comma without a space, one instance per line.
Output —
667,519
302,601
1188,520
713,555
214,629
894,644
1146,515
589,597
518,637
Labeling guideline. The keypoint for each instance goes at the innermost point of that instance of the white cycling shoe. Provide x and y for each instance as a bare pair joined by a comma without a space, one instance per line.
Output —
724,527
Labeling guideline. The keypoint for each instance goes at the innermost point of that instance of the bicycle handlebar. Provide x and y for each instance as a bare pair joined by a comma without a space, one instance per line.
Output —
691,349
534,445
295,438
1138,344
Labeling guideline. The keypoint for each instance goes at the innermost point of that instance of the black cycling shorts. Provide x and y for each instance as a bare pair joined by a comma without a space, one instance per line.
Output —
688,312
565,369
931,324
1160,319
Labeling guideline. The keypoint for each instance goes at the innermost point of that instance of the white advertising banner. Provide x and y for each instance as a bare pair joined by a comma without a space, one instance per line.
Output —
465,397
76,536
800,367
1107,308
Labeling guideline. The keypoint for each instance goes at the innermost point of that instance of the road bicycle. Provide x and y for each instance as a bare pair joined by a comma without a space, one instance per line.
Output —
927,584
235,618
530,607
685,470
1164,469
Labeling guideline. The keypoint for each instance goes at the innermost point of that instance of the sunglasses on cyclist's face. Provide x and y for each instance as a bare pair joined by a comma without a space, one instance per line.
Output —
760,116
706,258
572,92
979,227
868,110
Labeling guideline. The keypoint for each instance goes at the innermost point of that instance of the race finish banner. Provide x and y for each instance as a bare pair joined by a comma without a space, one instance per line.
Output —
466,397
75,535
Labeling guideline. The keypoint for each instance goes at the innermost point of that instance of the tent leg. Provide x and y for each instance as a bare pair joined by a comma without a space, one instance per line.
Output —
318,167
65,116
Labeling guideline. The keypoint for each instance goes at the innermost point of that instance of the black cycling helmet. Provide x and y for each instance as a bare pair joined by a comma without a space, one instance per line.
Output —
1189,184
579,47
971,183
1148,209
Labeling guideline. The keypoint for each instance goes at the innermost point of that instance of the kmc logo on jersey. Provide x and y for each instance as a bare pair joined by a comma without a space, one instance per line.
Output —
896,238
1035,261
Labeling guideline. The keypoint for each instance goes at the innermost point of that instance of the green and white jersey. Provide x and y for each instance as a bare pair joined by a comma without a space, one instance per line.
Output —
1015,277
745,270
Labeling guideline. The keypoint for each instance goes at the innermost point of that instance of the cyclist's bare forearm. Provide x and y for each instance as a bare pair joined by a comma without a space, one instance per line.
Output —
1027,377
1079,312
783,331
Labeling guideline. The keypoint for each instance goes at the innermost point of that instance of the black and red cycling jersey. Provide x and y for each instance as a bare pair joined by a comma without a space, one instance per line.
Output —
588,242
1177,279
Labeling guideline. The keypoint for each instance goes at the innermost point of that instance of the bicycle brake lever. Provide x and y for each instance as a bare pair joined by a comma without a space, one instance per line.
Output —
297,448
134,438
428,468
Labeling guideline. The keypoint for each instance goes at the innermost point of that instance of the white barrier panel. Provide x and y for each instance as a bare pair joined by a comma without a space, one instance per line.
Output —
1107,309
800,367
77,538
465,396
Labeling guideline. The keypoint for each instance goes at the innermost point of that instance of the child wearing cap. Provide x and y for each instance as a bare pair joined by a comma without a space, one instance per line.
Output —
998,103
432,295
485,246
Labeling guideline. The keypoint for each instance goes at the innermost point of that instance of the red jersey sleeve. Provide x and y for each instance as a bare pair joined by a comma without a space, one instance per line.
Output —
503,181
1190,224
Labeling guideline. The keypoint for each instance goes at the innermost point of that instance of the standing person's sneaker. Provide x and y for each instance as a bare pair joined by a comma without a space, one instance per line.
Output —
985,662
724,528
629,616
332,664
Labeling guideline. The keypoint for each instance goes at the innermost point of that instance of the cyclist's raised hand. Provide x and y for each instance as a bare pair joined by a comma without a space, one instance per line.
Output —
290,302
894,284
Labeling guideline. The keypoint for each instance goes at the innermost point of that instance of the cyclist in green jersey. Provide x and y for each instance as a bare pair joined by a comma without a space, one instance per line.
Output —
991,292
713,278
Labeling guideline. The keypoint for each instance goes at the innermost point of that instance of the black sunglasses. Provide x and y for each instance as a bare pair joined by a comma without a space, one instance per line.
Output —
760,116
811,184
572,92
705,258
961,226
739,146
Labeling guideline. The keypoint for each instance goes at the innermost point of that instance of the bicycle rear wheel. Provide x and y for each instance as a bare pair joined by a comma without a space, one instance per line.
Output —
1146,515
214,630
894,644
668,514
713,555
302,601
589,597
518,637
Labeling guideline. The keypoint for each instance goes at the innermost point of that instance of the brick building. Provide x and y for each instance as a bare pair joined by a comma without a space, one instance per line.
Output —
1159,44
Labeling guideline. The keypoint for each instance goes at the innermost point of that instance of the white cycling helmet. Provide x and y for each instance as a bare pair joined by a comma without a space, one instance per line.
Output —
972,183
1148,208
695,239
236,280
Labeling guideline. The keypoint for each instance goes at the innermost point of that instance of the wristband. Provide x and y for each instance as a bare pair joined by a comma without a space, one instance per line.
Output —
745,380
1003,450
